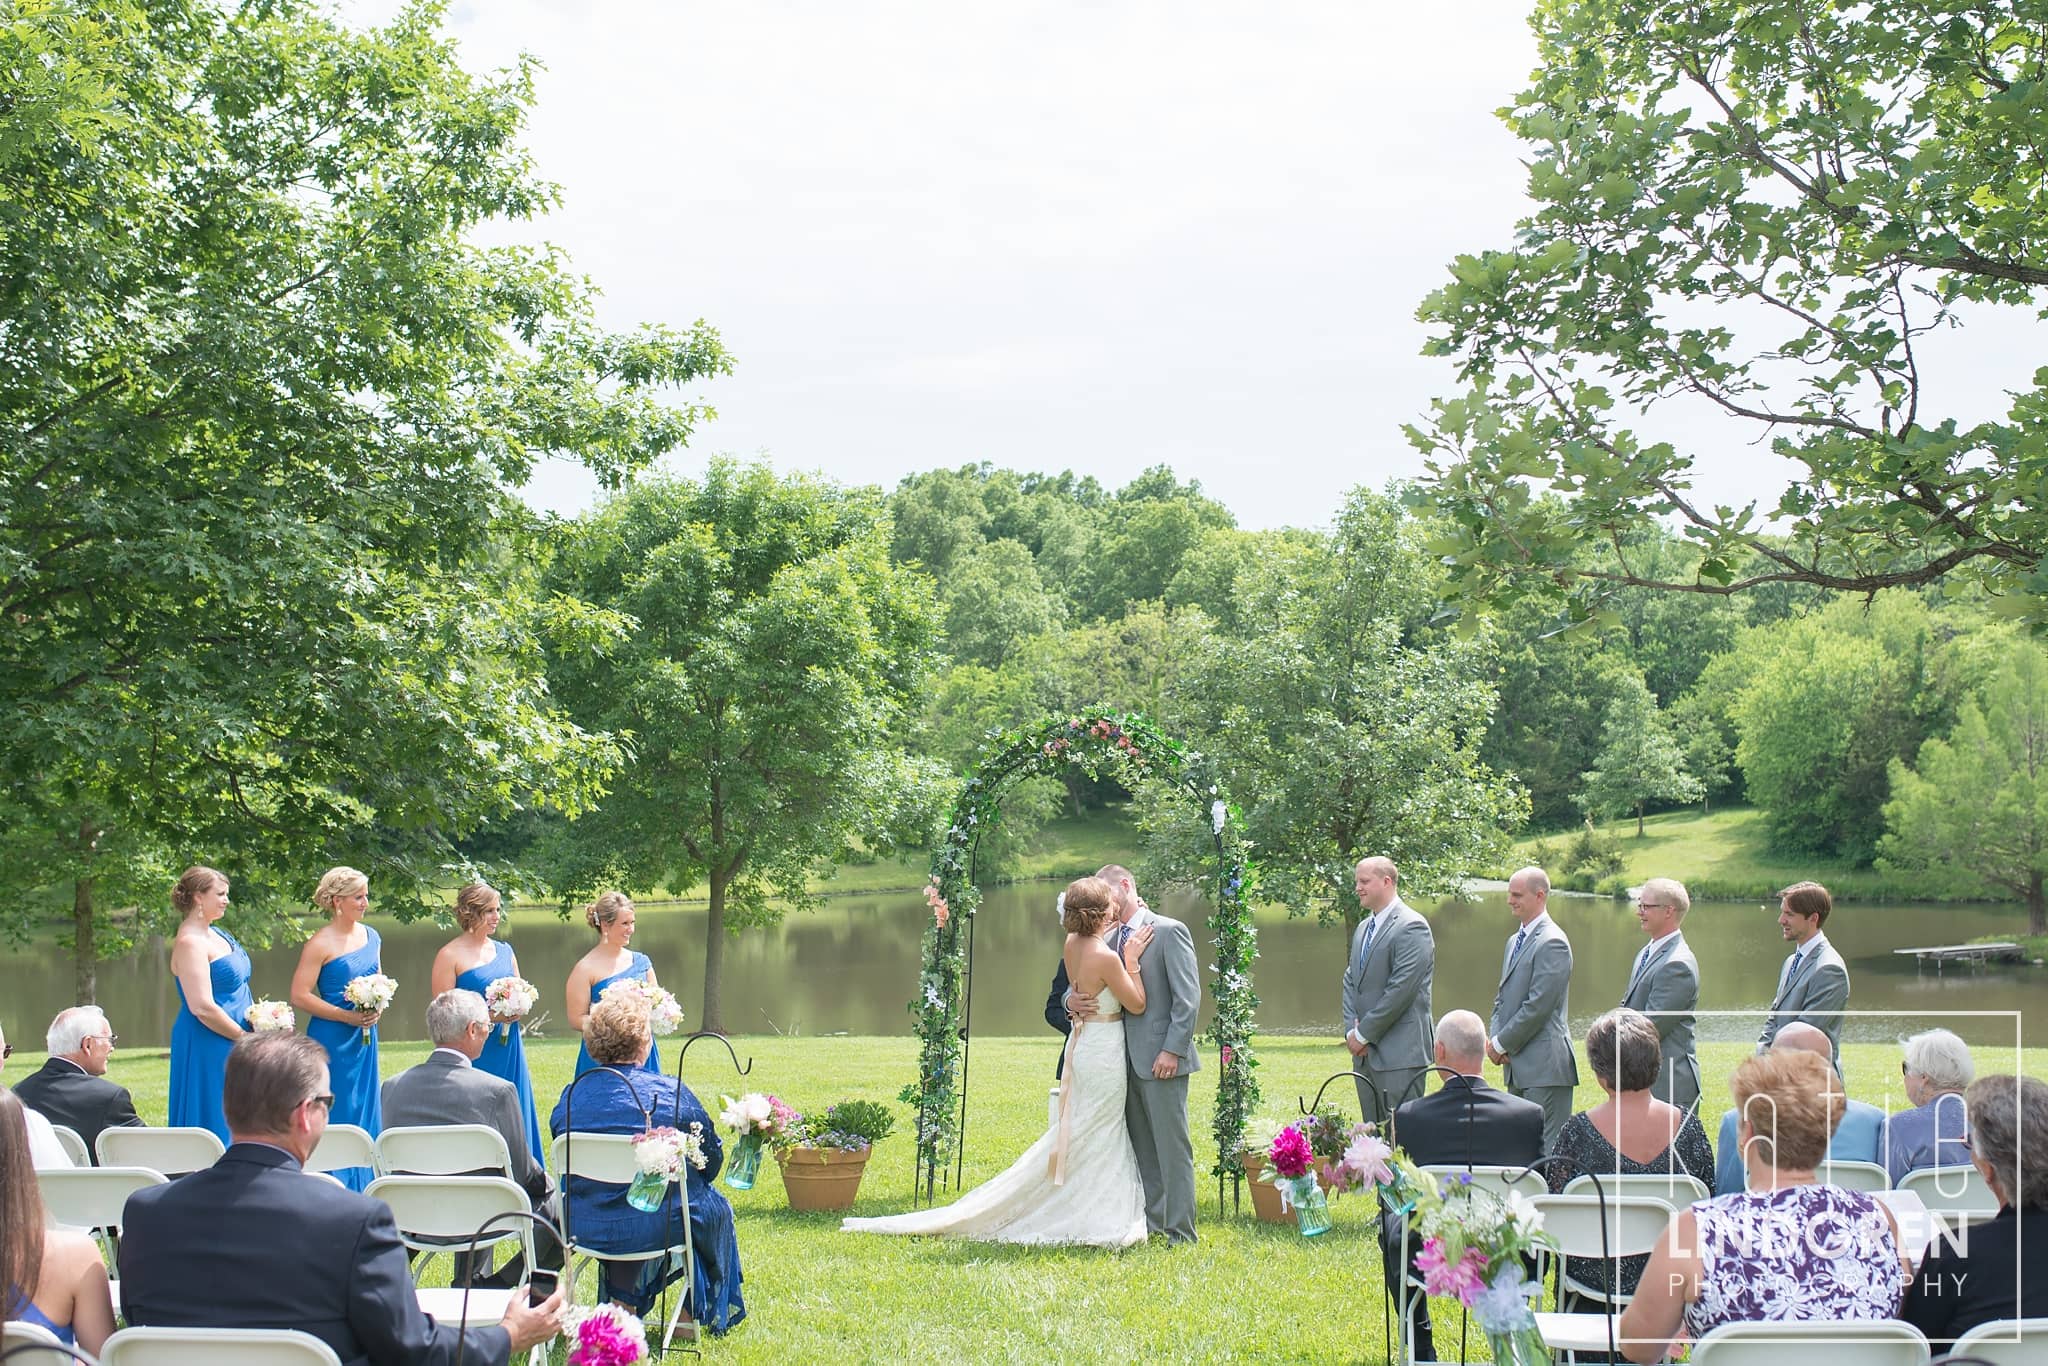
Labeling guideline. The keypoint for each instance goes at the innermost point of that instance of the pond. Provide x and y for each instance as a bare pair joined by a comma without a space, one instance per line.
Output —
851,967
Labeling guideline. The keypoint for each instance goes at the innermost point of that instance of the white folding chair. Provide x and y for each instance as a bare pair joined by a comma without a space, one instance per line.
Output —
1842,1342
1854,1176
341,1147
216,1347
2006,1342
329,1177
437,1214
1634,1224
93,1198
1499,1180
73,1144
1958,1192
609,1158
443,1150
174,1152
1676,1189
34,1345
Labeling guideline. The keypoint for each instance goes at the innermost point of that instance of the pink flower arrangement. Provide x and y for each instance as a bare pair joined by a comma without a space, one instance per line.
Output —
1364,1162
1464,1278
607,1336
941,912
1290,1153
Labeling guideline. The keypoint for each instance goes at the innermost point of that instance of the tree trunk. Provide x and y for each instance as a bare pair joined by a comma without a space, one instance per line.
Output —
84,953
2037,906
714,953
1639,820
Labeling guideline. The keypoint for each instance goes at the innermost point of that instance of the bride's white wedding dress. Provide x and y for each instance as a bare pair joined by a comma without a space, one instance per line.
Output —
1100,1201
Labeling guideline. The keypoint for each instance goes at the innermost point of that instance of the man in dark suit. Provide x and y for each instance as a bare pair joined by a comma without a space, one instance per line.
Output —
1465,1124
446,1089
1056,1015
72,1087
253,1242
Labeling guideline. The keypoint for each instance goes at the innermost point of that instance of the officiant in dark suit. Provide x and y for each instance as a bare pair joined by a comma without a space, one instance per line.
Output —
72,1089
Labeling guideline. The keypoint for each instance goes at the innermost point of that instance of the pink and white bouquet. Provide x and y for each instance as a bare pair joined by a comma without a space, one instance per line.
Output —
1473,1241
756,1116
372,991
662,1010
1364,1161
663,1151
510,997
272,1017
605,1336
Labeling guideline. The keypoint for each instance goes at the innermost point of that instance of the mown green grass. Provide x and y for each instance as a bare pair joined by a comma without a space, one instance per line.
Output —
1246,1291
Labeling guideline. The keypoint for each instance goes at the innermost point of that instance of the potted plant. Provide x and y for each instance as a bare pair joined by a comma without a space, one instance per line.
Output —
823,1155
1328,1134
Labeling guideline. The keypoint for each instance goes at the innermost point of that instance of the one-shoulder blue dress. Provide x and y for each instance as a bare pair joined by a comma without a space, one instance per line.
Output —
639,966
199,1057
351,1062
504,1052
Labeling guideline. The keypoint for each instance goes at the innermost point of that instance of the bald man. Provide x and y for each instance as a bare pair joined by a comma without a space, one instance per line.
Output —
1386,993
1856,1138
1527,1034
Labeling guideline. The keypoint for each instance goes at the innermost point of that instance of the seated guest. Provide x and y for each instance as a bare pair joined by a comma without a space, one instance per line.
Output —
1858,1138
72,1088
618,1035
1631,1132
1978,1280
446,1089
1786,1248
1936,1131
252,1242
51,1277
1466,1123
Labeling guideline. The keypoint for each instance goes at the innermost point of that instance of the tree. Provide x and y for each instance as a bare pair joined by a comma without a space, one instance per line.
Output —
1639,762
264,588
1708,755
1761,211
994,602
1975,805
773,655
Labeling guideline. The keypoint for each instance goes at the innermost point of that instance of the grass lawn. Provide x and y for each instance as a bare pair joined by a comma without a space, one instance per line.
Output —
1728,856
1247,1291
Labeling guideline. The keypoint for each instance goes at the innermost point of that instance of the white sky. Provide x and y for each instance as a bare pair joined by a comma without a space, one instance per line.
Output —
1050,236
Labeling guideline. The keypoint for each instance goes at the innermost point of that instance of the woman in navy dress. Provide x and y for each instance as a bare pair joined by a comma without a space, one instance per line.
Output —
212,975
472,961
611,915
628,1101
339,952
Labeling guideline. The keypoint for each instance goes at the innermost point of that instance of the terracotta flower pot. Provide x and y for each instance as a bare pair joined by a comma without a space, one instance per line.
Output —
821,1178
1266,1195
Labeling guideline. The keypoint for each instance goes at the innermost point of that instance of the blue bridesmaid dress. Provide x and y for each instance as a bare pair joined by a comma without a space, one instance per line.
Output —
639,966
351,1063
504,1052
199,1057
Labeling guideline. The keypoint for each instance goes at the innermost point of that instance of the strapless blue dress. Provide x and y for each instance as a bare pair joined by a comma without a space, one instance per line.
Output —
504,1052
639,966
199,1057
351,1062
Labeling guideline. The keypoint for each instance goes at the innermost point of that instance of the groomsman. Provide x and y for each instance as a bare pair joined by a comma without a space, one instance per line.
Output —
1527,1036
1814,983
1664,984
1386,993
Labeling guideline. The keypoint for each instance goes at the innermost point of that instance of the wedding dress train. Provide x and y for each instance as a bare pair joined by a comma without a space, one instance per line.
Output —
1097,1198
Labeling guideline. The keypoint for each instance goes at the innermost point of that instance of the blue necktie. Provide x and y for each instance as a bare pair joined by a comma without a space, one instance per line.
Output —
1793,969
1636,974
1372,924
1521,936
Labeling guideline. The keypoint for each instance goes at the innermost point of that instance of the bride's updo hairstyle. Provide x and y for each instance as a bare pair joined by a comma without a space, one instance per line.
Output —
606,909
1089,903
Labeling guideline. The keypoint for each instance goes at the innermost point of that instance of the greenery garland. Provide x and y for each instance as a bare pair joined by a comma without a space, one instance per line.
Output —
1134,750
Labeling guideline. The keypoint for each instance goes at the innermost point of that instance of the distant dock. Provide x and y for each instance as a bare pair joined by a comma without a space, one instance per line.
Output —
1977,955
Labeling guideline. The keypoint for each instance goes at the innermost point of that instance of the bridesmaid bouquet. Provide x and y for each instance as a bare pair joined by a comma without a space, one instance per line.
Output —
606,1336
660,1154
512,996
662,1010
371,991
267,1017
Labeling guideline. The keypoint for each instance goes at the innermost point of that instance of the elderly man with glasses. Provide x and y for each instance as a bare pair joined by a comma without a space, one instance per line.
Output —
72,1087
1664,984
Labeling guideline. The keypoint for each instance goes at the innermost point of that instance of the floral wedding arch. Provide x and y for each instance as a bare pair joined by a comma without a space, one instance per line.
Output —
1133,750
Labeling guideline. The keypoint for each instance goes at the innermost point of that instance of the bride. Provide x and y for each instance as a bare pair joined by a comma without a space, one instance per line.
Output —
1079,1183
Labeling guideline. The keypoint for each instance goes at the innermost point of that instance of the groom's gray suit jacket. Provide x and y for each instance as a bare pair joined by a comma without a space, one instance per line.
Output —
1155,1111
1173,994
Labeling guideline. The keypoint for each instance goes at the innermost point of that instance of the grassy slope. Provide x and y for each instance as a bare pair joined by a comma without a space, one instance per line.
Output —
1247,1291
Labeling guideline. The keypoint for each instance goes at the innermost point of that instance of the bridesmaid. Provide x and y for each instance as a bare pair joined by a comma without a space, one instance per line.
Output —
611,915
339,952
212,974
472,961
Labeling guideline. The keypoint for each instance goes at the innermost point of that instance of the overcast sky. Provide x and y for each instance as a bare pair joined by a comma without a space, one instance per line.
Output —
1050,236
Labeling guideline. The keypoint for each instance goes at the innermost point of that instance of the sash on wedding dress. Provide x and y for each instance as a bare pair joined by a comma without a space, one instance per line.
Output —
1056,1164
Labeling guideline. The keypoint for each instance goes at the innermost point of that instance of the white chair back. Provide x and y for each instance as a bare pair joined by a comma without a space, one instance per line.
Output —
598,1157
1855,1176
73,1144
171,1151
92,1197
609,1158
443,1149
1675,1189
1877,1342
2007,1342
215,1347
341,1147
1634,1223
1958,1190
38,1345
1499,1180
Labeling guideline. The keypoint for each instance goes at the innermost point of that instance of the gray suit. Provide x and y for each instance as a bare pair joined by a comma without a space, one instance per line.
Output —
1816,994
1667,989
1528,1022
1386,1003
1155,1111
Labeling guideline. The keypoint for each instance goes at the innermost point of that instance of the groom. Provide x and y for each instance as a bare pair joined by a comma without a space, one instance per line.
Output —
1160,1047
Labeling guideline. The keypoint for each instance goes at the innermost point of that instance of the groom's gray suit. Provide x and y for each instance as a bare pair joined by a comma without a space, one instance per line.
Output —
1155,1111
